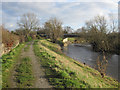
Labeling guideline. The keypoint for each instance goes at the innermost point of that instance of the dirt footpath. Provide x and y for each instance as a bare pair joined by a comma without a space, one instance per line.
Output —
38,72
12,78
40,80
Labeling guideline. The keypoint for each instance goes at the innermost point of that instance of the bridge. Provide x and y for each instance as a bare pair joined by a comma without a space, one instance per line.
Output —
71,35
65,35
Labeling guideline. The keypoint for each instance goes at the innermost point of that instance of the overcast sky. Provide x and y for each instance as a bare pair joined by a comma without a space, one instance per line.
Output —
71,13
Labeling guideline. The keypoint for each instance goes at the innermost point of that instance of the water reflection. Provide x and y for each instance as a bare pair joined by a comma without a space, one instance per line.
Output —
89,57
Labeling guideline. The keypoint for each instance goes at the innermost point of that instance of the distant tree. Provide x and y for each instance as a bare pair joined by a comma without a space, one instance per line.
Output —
21,33
97,29
113,22
101,23
28,22
81,31
53,28
40,30
67,30
33,34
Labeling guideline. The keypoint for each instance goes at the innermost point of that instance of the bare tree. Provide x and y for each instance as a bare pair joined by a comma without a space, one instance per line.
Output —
53,29
68,29
101,23
98,22
28,22
113,22
97,30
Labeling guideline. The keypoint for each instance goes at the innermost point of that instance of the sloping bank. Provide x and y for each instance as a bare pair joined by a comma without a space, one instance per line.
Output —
8,60
64,72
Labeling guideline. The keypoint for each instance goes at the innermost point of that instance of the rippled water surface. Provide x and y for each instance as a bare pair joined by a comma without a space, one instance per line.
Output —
88,56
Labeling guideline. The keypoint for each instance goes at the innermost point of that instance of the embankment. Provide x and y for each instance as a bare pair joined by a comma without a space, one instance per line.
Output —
65,72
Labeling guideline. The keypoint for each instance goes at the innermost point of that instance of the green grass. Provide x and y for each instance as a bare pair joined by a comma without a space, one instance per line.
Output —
8,61
71,40
56,75
24,77
27,48
71,75
52,46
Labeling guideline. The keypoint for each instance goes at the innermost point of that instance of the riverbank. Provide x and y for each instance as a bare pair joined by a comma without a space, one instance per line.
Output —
89,57
65,72
83,42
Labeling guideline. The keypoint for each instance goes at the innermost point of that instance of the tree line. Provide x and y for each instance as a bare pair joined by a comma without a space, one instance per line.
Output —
95,31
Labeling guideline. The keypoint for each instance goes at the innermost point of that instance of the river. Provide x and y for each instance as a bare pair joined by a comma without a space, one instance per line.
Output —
85,54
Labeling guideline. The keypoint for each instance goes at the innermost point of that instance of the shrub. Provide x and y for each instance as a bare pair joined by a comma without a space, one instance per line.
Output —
29,38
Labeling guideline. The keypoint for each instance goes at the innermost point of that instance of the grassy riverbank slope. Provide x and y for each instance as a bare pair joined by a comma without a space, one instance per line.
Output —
64,72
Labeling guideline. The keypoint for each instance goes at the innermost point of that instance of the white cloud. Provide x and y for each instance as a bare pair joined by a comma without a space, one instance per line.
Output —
34,1
74,14
59,1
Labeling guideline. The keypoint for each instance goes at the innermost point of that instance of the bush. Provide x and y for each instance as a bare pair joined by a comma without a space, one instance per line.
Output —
29,38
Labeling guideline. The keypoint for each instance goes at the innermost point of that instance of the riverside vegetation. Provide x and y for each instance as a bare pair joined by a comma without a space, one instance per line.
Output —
60,70
64,72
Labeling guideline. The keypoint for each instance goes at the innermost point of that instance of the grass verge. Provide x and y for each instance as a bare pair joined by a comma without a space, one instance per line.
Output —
57,76
27,47
24,77
8,60
54,47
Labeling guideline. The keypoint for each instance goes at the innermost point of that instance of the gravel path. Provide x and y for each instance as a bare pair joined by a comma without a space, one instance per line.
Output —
12,78
40,80
38,72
